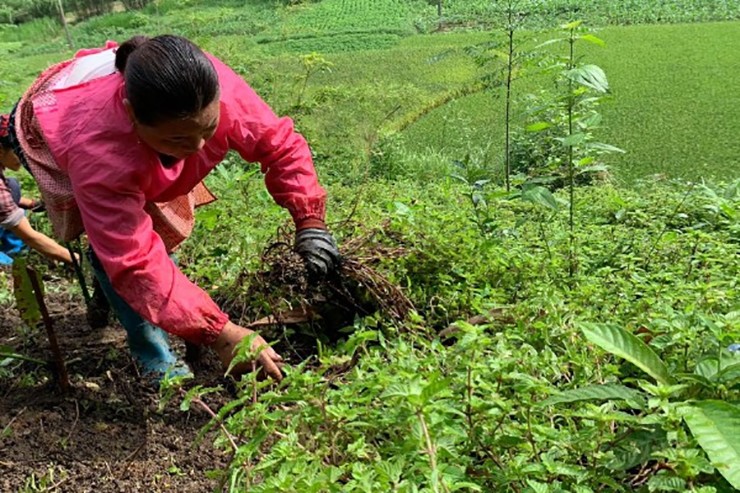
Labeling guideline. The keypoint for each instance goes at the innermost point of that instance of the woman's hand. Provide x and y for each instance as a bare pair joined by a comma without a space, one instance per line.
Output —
319,251
231,335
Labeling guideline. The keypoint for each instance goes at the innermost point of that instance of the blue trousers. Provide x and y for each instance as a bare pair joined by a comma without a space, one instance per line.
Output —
10,244
148,344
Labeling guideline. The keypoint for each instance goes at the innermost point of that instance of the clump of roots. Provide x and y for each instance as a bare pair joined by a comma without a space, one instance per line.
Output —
357,289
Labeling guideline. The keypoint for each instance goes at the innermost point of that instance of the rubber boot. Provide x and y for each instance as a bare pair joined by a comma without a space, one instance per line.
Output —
149,344
150,347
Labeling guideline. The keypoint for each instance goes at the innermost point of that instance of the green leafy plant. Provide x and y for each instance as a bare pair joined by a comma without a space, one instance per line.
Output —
714,424
312,64
579,82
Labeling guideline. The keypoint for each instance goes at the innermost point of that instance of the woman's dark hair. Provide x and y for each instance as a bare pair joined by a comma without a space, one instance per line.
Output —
167,77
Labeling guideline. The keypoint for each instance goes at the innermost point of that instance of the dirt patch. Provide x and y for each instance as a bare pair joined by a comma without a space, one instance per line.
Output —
107,434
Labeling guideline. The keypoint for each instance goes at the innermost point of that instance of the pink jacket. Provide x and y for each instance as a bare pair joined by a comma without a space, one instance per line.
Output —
114,177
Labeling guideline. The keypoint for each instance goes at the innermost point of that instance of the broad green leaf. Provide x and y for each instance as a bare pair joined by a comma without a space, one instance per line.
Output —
592,39
573,140
594,392
538,487
538,126
540,196
728,374
625,345
591,76
718,370
402,390
594,168
694,378
716,426
637,448
433,388
571,25
593,120
549,42
666,482
707,368
579,488
25,300
358,339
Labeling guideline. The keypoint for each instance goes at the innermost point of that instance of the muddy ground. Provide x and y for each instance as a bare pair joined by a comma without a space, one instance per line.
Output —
107,434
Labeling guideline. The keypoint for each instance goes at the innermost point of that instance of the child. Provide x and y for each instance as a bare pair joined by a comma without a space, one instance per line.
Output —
15,230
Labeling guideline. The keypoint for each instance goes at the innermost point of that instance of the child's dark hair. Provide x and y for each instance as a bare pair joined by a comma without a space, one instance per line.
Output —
167,77
5,132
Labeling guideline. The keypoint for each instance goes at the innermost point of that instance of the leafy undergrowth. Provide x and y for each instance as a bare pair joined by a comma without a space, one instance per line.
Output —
498,382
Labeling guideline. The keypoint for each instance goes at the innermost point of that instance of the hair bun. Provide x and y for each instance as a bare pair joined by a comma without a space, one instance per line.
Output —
125,50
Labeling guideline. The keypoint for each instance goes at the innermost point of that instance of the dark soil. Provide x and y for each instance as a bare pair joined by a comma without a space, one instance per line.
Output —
107,433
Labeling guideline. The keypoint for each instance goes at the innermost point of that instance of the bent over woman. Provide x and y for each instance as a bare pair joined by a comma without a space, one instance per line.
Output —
119,140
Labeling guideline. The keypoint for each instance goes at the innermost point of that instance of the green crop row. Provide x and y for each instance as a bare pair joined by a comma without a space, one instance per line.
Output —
596,12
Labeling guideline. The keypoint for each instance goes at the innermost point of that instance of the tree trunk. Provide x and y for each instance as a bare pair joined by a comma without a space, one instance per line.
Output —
63,18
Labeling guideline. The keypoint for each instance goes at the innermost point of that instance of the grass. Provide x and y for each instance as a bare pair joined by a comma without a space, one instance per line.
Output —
337,16
599,12
672,109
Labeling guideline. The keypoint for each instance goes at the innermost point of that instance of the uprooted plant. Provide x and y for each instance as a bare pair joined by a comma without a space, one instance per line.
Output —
285,295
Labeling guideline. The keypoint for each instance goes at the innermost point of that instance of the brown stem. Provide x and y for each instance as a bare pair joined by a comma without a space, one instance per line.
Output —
53,343
74,425
509,73
130,458
530,436
431,450
204,406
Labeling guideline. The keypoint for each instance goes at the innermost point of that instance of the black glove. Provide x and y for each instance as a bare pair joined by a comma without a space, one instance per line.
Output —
319,251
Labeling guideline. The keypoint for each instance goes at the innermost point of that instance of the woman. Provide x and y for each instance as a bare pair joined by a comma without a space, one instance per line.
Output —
15,230
119,140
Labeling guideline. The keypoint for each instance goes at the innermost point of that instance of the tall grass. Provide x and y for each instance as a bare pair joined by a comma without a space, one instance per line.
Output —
38,29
